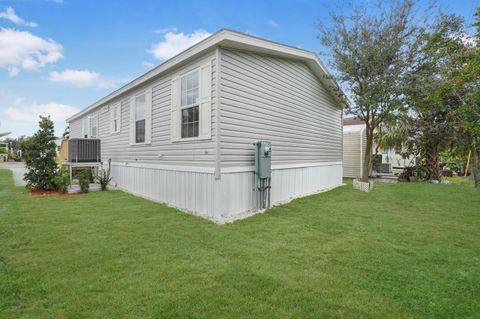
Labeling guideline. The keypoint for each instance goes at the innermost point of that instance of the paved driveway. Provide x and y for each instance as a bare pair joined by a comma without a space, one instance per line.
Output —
18,170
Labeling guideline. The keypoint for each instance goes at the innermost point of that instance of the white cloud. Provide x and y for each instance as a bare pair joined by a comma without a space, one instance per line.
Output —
273,23
21,49
174,43
75,77
13,71
10,15
165,30
80,78
148,65
23,119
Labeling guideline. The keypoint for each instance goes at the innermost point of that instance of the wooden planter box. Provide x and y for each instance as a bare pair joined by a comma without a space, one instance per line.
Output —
363,186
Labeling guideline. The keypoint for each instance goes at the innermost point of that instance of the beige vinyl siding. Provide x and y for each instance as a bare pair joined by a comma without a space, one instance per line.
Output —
351,154
279,100
162,150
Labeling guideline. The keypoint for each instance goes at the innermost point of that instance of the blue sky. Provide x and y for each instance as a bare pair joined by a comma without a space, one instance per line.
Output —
57,57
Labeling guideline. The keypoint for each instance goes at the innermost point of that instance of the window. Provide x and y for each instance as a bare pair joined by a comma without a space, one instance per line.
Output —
115,115
191,104
93,126
140,119
85,127
189,98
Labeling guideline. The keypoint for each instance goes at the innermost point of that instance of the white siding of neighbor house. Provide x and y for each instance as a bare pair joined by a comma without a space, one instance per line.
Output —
162,150
280,100
354,146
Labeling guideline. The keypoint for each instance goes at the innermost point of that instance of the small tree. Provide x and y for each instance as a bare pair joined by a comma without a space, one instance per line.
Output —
371,49
40,157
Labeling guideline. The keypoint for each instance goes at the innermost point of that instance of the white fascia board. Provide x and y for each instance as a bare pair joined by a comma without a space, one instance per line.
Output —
228,39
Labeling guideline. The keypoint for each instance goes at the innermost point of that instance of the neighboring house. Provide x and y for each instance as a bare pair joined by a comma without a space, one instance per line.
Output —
4,148
354,146
183,133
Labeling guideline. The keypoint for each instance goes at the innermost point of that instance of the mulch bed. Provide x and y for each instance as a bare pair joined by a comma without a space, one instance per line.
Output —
49,193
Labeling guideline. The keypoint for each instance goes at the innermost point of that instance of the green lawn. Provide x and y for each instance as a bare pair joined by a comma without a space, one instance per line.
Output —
405,250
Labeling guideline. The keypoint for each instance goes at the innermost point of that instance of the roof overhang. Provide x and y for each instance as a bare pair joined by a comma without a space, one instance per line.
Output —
225,38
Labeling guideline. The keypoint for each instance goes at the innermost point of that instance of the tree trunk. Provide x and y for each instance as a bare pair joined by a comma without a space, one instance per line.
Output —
475,165
433,162
367,158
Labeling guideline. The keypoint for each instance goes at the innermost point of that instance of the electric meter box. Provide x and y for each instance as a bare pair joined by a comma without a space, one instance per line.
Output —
263,159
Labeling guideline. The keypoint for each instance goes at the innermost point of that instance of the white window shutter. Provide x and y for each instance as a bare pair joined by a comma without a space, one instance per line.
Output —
148,116
112,109
132,120
175,110
205,113
83,127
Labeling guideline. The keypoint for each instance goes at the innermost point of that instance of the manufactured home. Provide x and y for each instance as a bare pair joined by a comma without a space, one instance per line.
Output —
221,127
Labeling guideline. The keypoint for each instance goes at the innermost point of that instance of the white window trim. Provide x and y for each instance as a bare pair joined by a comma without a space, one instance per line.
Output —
147,117
197,103
176,87
144,117
93,117
85,126
116,108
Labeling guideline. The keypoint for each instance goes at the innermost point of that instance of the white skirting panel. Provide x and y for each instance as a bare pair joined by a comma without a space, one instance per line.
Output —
231,197
287,184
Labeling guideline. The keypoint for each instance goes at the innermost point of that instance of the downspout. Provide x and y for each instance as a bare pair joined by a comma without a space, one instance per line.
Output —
218,58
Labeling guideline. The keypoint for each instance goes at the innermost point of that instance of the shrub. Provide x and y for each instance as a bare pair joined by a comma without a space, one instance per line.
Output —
84,181
87,172
61,181
40,154
104,178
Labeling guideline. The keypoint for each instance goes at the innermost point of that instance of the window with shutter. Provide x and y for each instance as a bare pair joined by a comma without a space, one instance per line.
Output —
93,125
191,104
141,118
85,127
115,115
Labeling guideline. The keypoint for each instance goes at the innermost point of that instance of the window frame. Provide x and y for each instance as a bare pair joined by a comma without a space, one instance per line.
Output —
85,127
188,106
116,117
143,93
93,122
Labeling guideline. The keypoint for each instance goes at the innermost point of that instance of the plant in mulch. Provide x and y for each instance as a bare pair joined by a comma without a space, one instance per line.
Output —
40,154
84,181
104,177
61,181
420,173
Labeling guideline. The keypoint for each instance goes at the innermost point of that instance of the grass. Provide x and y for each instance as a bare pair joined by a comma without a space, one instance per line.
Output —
458,179
402,251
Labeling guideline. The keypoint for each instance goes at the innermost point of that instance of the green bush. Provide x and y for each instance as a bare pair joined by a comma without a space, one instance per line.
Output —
61,181
40,155
84,180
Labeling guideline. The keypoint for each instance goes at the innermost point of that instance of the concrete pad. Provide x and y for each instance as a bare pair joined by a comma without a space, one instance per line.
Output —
73,189
18,170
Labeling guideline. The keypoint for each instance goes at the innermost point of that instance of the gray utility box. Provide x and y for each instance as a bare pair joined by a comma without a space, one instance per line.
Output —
84,150
263,159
